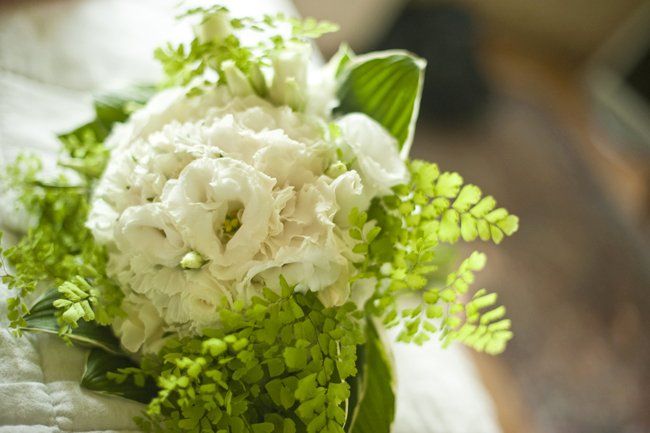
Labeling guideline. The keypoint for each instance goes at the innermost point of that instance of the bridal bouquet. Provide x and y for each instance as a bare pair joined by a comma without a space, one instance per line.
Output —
232,243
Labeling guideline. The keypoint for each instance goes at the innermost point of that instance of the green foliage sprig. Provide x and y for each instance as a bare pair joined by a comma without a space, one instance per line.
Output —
281,364
185,62
432,209
444,311
58,250
452,209
58,247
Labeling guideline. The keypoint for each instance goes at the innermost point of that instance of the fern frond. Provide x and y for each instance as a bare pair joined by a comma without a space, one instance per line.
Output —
475,323
487,331
458,210
77,302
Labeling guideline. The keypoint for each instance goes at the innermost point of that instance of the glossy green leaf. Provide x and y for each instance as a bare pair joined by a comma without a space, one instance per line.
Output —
110,108
100,363
372,400
386,86
42,318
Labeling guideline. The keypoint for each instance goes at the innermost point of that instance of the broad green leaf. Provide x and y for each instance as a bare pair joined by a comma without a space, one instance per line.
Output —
386,86
110,108
42,318
95,378
116,106
372,399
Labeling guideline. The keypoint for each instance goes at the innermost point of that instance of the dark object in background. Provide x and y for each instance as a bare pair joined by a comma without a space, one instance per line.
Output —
455,90
619,83
639,76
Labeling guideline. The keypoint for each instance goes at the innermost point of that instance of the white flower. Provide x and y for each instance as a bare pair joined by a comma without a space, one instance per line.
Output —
321,97
349,195
377,157
361,290
171,106
199,301
290,75
308,252
223,208
308,266
141,326
206,200
288,161
147,234
237,81
101,221
214,28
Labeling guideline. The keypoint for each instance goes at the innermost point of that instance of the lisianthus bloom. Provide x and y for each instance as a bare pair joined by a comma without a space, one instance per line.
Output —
208,199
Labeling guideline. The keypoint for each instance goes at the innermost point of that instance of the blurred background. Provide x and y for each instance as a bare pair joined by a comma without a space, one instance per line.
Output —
545,104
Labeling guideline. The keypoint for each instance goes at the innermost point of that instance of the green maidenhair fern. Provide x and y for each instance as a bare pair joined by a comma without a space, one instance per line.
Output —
58,249
444,310
412,225
419,322
454,209
53,248
278,365
77,303
485,331
206,59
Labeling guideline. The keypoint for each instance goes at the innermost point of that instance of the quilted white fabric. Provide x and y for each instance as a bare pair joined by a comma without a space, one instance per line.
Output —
53,54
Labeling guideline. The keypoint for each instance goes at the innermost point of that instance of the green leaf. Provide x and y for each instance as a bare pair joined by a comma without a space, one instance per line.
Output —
373,397
99,366
341,59
295,358
116,106
42,318
265,427
110,108
386,86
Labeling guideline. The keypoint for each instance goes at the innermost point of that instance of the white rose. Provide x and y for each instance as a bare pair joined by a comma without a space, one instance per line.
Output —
288,161
215,27
223,208
141,327
147,252
349,195
377,157
290,72
309,267
147,232
117,186
337,293
101,221
199,301
166,107
205,200
308,252
322,89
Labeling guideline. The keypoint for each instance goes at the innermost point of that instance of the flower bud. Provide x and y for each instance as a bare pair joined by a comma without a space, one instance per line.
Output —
214,28
192,260
237,81
336,169
290,67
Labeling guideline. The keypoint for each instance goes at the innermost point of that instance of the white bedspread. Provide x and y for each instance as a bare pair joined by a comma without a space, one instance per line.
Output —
53,54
